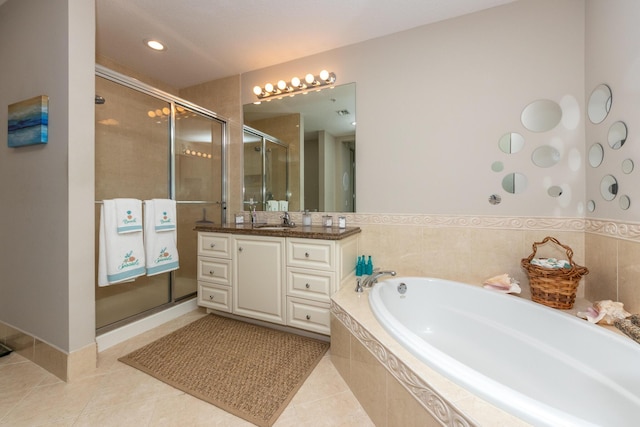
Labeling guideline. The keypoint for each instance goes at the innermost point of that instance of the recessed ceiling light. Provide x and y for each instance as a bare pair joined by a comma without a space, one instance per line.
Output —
155,45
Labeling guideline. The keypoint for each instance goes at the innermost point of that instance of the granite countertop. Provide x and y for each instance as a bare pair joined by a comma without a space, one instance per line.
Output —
307,232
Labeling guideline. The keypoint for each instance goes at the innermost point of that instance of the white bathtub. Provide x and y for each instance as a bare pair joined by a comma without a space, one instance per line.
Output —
542,365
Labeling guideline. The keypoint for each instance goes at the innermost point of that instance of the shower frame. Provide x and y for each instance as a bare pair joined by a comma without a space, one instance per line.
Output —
173,101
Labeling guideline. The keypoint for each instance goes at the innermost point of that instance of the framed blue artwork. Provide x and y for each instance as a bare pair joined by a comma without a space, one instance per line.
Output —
29,122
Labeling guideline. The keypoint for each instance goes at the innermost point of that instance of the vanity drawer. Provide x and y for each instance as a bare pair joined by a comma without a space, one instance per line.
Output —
308,315
215,270
308,253
311,284
214,244
214,296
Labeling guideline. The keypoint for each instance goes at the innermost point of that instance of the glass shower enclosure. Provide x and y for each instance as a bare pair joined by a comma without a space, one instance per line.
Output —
153,145
266,170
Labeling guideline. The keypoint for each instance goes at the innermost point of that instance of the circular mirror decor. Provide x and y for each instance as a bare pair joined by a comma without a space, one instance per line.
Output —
617,135
545,156
497,166
627,166
625,202
511,142
596,155
599,104
554,191
591,206
541,115
608,187
514,183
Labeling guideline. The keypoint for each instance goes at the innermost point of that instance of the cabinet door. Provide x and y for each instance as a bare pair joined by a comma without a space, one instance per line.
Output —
259,278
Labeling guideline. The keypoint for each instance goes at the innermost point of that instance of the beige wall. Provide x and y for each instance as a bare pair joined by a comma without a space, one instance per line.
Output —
432,102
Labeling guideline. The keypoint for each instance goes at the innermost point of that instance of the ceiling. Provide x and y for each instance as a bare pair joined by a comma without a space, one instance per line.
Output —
211,39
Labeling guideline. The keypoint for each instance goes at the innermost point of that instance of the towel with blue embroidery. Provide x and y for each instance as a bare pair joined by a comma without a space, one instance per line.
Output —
128,215
121,256
161,251
164,217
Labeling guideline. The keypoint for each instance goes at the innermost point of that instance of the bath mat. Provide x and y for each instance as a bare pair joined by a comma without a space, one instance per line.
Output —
248,370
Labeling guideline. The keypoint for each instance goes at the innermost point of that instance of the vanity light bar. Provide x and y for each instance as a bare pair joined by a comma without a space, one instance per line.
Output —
325,78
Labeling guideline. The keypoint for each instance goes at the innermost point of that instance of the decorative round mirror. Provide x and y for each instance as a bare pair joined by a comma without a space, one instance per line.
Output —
591,206
625,202
596,154
617,135
514,183
541,115
511,142
599,104
497,166
608,187
554,191
627,166
545,156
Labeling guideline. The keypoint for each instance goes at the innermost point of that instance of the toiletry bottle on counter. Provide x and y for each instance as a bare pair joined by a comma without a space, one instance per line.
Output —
306,218
369,266
359,267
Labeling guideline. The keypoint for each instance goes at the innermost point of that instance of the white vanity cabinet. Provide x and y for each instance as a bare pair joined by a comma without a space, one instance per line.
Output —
283,280
214,271
315,270
259,277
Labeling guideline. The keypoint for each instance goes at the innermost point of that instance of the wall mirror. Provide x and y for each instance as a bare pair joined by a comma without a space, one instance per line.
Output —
596,155
511,142
625,202
627,166
554,191
322,142
617,135
545,156
608,187
541,115
514,183
599,104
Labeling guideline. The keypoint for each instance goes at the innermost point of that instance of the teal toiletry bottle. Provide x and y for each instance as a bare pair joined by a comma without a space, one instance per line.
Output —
358,267
369,267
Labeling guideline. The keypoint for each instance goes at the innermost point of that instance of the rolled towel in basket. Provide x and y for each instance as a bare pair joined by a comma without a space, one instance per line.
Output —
551,263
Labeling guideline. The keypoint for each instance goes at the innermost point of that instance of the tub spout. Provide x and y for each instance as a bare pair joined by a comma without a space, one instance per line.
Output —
372,279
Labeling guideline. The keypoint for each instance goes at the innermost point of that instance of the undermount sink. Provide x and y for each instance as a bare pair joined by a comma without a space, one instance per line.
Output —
272,227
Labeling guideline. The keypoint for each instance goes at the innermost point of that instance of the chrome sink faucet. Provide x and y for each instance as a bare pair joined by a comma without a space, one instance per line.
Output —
372,279
286,220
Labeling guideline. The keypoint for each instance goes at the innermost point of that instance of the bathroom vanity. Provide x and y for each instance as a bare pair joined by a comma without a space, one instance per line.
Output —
284,276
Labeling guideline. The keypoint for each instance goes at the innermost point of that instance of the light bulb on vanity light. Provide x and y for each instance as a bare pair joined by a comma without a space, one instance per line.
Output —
309,79
268,88
282,85
295,82
257,90
324,75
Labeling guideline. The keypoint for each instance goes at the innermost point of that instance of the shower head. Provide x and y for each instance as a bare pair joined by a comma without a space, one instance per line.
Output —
100,100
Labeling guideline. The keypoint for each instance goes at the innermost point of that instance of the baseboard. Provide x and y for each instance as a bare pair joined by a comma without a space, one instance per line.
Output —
116,336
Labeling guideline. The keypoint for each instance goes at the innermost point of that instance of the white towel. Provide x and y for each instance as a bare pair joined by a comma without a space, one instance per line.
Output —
164,218
283,205
128,215
121,257
160,246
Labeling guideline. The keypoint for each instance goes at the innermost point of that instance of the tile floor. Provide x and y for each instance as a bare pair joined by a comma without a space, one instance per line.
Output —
118,395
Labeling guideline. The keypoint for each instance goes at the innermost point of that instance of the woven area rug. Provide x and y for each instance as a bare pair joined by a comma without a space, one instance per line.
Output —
250,371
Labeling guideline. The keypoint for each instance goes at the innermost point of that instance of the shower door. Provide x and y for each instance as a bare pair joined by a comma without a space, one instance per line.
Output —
154,146
266,169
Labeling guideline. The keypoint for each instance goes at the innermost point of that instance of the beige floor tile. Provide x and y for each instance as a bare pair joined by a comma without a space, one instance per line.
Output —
118,395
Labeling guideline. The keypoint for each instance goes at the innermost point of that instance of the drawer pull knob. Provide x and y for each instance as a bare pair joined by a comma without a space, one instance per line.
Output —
212,245
307,286
210,296
239,249
306,254
211,272
308,317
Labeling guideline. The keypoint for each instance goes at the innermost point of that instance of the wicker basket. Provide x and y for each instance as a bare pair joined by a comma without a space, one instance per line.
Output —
554,287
